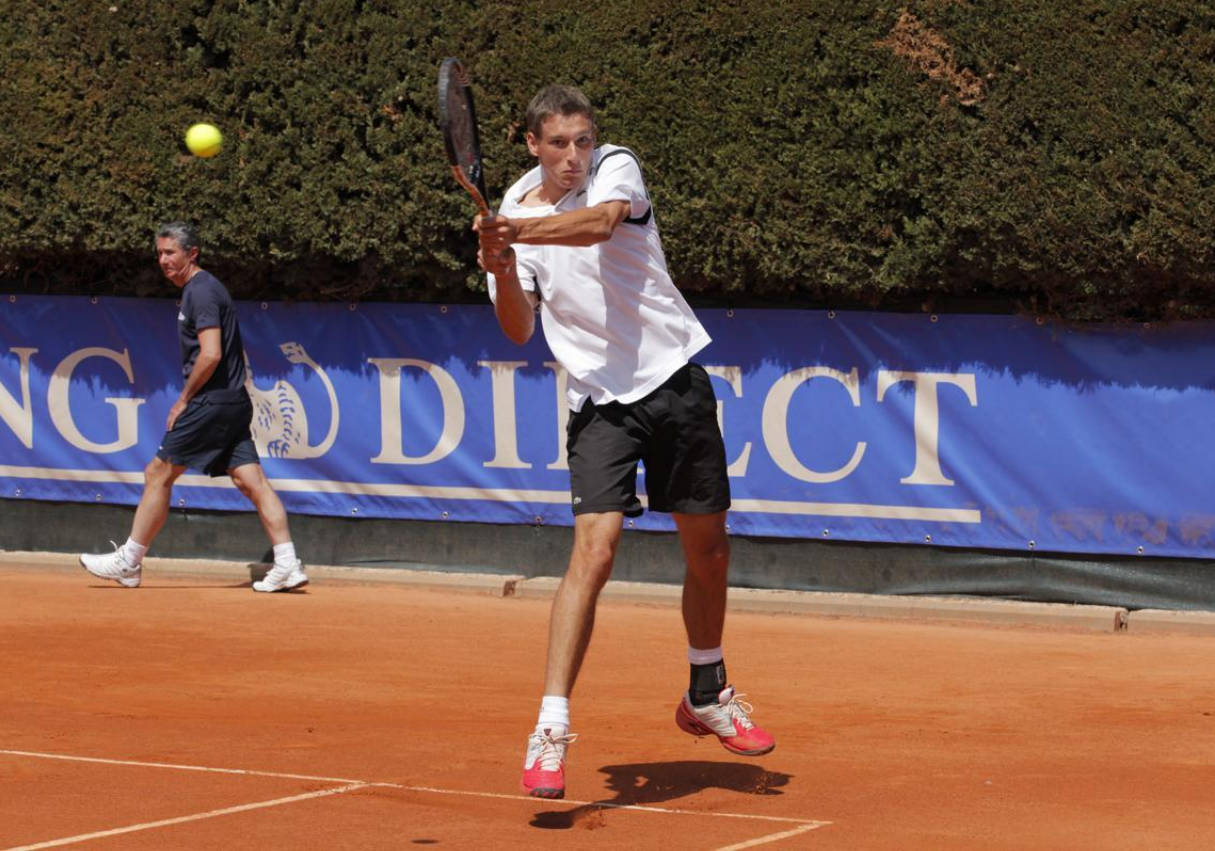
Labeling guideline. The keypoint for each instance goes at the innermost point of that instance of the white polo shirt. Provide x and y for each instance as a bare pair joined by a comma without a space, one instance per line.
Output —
611,314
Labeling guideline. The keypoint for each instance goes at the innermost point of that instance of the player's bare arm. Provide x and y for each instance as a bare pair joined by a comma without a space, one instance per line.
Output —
514,306
588,226
209,354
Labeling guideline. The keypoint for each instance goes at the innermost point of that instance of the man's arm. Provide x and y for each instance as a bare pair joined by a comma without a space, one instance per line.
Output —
588,226
514,306
209,352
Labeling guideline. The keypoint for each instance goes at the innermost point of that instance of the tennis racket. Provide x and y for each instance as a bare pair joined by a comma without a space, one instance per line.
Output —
458,120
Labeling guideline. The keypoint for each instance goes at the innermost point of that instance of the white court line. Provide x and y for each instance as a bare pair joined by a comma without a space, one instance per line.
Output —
138,764
774,837
69,840
803,825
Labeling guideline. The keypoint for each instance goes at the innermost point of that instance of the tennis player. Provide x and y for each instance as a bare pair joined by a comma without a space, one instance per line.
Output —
576,239
207,427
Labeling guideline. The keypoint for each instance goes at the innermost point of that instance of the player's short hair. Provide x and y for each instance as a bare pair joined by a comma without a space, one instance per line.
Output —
557,100
184,232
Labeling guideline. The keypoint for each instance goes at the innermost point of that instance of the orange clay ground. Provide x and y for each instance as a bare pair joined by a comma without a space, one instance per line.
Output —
192,713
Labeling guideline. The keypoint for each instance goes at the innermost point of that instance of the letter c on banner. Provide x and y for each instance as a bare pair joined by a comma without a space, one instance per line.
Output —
58,400
776,422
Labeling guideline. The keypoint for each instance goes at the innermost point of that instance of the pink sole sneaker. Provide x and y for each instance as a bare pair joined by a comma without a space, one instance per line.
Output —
544,764
729,720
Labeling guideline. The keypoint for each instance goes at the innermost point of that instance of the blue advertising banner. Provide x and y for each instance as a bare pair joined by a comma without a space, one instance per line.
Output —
964,431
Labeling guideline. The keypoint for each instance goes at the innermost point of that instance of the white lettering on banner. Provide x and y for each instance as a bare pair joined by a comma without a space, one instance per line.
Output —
563,415
927,418
20,418
126,410
391,450
506,430
776,422
732,375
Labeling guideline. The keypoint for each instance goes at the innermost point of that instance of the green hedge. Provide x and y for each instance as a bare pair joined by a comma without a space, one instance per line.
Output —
1046,156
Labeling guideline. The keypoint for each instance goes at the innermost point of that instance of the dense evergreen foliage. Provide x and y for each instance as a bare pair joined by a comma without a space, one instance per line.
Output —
1043,155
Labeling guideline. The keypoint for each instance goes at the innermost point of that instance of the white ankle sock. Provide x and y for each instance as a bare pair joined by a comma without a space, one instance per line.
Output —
704,657
554,713
284,553
133,551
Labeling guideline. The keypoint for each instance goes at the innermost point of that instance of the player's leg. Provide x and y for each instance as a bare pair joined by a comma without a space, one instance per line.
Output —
125,564
710,706
287,571
686,475
602,446
596,537
706,551
571,622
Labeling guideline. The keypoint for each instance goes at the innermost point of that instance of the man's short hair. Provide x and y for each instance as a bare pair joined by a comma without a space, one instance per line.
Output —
557,100
184,232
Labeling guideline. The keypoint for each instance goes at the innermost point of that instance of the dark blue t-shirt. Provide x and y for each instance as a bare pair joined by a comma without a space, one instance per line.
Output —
205,303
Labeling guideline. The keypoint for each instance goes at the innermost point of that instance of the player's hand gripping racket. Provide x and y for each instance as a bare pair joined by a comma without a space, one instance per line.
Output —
458,120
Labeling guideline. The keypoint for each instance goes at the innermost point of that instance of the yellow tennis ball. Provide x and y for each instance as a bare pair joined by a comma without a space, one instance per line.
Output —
204,140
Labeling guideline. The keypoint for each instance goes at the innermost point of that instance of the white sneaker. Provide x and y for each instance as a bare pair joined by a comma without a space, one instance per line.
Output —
283,577
113,566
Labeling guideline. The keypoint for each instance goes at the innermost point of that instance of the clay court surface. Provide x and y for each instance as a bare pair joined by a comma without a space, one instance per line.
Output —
192,713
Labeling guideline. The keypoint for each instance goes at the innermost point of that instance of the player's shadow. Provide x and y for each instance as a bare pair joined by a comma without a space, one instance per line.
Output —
648,783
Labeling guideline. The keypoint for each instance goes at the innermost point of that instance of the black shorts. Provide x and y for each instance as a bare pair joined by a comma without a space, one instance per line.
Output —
212,435
672,430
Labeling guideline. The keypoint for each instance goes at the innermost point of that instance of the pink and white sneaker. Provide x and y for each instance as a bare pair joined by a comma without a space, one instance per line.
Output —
729,720
544,764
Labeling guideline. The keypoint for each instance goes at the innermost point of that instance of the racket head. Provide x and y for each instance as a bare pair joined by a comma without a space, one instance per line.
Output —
458,121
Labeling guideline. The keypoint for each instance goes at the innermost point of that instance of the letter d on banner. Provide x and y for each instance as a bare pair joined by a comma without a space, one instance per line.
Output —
391,451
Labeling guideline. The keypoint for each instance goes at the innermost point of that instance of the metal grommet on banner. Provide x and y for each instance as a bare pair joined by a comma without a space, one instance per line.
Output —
538,520
1032,545
830,314
730,313
444,515
354,511
92,299
12,299
352,307
928,539
826,533
17,492
727,528
1038,320
631,524
442,308
932,318
1139,549
97,497
181,502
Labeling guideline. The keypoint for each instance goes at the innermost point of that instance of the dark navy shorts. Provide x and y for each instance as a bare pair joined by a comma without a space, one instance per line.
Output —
212,435
673,431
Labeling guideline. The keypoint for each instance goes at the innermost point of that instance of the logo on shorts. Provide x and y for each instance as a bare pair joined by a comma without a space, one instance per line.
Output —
577,500
181,317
